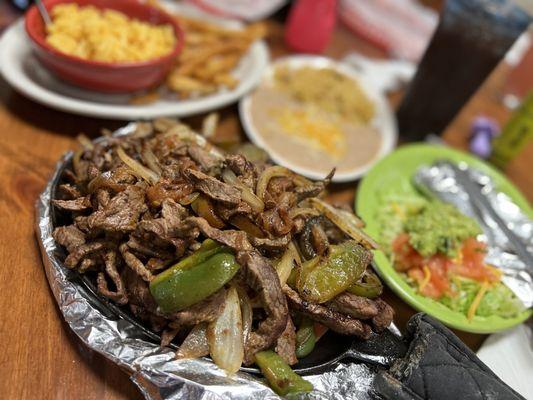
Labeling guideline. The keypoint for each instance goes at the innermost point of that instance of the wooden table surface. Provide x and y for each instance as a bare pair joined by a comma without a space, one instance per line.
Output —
41,358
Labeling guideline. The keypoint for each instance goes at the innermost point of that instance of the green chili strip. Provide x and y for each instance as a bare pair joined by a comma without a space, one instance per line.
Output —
208,249
368,286
305,338
281,378
179,287
334,273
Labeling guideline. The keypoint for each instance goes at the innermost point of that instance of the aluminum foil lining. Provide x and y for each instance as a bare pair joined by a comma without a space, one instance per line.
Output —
154,369
504,224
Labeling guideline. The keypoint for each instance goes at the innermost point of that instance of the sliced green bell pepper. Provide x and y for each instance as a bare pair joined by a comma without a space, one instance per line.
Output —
208,249
281,378
305,338
368,285
193,279
305,270
334,273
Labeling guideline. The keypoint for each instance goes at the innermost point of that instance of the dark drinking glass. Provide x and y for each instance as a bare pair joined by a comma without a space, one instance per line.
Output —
470,40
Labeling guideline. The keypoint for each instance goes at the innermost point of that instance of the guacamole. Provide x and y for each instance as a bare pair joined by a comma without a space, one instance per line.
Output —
435,227
439,228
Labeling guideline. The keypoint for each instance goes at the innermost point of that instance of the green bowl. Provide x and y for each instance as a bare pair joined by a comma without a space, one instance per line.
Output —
394,173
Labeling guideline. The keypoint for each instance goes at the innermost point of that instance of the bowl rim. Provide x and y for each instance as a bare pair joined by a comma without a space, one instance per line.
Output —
40,41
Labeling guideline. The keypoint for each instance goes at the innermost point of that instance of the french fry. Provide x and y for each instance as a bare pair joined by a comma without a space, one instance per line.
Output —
217,66
193,24
204,52
255,31
226,80
199,39
180,83
210,53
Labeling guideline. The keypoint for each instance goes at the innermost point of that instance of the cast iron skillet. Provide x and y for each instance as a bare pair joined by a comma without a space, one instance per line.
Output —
381,349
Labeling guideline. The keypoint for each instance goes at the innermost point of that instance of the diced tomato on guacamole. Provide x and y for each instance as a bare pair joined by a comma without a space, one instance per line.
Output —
436,248
434,274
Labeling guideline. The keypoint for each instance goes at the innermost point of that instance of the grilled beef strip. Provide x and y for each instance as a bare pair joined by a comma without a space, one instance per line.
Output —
268,244
171,227
136,228
101,199
206,160
81,222
237,240
69,191
148,249
334,320
354,306
162,190
279,185
314,189
244,169
286,344
384,317
69,237
262,278
79,204
276,221
206,310
122,212
227,211
138,291
119,294
88,263
141,302
134,263
319,240
81,251
213,188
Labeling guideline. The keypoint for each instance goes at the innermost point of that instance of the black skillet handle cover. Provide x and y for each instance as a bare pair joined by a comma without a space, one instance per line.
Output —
438,366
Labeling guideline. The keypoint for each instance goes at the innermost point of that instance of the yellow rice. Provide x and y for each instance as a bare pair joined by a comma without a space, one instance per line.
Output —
106,35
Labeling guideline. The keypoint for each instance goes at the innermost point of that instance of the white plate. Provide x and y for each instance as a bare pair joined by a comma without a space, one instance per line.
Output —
21,70
383,121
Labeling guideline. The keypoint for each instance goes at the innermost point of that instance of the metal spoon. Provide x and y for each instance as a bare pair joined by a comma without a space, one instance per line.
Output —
44,12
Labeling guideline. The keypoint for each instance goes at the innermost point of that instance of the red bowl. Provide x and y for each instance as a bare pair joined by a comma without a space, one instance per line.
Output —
101,76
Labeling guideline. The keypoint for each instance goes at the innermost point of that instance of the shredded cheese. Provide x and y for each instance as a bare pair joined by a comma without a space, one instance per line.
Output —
477,300
313,128
427,277
496,271
328,90
398,210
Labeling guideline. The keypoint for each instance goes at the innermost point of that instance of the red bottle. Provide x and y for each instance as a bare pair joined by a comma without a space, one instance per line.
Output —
310,25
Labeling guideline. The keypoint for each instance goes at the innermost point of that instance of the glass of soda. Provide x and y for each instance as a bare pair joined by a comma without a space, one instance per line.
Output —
470,40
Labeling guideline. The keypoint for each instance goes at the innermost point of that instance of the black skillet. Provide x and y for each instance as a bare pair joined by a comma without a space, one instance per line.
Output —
380,349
